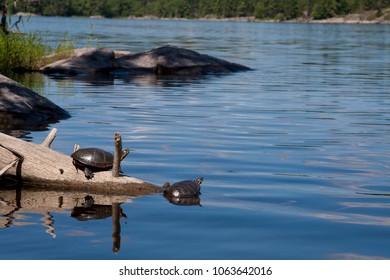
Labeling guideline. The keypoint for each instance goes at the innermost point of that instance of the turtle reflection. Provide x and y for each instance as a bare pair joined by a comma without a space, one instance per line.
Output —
91,211
184,201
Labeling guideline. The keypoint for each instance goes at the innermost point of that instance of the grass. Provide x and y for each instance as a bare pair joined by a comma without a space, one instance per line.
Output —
26,52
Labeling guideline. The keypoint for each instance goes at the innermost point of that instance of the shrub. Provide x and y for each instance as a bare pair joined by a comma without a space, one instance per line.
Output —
25,52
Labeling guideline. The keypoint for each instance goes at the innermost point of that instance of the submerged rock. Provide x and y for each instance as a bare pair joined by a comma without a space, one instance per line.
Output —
22,108
166,60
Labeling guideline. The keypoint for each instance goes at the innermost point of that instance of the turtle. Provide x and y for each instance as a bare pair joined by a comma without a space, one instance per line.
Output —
91,160
187,188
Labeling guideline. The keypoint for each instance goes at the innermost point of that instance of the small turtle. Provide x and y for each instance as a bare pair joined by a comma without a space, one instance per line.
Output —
92,160
188,188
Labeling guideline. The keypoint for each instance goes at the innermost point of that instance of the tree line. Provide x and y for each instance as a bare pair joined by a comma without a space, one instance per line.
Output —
260,9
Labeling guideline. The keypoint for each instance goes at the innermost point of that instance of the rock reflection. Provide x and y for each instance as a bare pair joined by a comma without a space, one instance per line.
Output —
16,203
19,126
138,79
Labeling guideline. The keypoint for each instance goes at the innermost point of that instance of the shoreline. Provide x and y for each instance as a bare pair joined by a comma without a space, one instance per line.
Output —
367,17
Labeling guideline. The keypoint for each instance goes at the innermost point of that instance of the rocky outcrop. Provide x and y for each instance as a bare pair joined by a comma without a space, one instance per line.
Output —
83,61
22,108
166,60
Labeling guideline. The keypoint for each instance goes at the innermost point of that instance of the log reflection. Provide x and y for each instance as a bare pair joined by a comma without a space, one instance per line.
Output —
16,202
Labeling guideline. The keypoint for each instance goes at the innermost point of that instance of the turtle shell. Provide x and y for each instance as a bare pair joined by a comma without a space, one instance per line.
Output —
94,158
187,188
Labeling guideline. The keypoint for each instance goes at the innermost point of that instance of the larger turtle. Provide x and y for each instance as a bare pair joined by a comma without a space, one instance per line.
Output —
187,188
92,160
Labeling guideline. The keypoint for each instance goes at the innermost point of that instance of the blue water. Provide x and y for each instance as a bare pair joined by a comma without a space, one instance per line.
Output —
291,153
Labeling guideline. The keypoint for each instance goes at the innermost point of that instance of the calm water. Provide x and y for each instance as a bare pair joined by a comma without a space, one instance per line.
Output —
290,152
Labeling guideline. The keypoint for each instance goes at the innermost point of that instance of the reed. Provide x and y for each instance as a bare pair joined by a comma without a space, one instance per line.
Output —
25,52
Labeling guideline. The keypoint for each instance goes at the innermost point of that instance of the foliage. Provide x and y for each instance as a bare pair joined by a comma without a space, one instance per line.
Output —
25,52
20,51
262,9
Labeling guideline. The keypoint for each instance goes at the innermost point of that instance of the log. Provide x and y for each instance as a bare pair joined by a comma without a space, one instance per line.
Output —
117,155
50,138
43,168
8,166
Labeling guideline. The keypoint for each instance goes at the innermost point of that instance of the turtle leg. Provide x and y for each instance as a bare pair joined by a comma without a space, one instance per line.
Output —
75,165
88,173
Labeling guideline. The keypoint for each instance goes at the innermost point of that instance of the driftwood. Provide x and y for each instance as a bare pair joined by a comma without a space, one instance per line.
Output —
38,166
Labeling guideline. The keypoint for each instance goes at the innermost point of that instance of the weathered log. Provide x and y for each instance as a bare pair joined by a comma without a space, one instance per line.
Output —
42,167
8,166
50,138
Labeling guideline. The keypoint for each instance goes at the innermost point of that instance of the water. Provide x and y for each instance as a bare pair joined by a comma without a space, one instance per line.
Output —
291,153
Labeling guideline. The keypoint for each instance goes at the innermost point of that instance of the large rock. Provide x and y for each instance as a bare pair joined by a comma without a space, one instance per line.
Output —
173,60
165,60
89,60
22,108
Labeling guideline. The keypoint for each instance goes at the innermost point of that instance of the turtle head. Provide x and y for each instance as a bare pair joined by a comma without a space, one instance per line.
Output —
199,180
166,185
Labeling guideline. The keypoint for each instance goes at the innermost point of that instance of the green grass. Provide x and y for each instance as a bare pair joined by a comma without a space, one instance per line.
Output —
26,52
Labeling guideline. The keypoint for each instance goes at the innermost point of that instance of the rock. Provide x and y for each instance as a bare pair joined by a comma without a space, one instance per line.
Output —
166,60
22,108
89,60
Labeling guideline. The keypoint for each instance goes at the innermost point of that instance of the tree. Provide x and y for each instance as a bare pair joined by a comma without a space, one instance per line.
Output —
3,23
343,7
281,9
266,9
324,9
290,9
